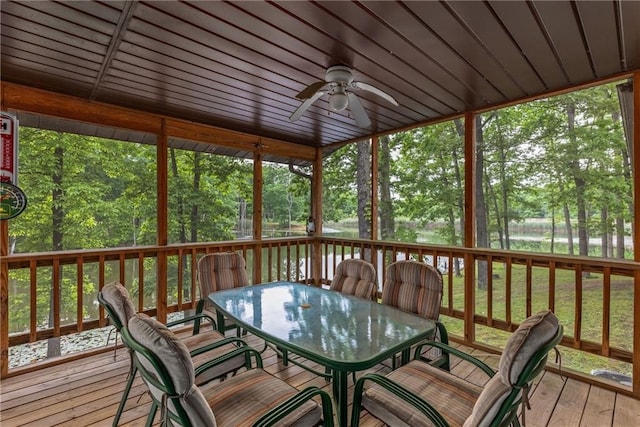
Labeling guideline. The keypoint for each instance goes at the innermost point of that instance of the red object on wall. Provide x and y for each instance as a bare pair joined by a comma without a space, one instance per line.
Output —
9,148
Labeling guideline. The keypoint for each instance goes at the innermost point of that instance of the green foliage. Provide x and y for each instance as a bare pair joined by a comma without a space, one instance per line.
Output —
286,196
107,196
339,198
406,234
540,160
108,192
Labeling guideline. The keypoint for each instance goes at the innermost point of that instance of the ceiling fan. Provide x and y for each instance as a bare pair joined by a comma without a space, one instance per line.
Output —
339,85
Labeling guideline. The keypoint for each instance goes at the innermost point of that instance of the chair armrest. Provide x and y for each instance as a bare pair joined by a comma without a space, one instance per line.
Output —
196,318
282,410
238,341
450,350
420,404
247,351
444,336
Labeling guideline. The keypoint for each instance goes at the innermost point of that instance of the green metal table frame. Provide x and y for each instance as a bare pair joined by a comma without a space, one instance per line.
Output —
340,332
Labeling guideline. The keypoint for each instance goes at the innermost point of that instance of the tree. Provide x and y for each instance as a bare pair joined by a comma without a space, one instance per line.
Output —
339,198
385,208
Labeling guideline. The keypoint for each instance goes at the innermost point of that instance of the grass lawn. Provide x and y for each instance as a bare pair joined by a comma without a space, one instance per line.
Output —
565,306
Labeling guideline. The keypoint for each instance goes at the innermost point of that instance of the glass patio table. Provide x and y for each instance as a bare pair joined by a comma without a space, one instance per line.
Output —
341,332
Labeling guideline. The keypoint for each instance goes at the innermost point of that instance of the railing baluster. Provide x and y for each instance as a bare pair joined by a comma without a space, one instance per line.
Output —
489,291
529,282
606,311
140,281
577,331
79,295
552,285
33,297
507,291
55,289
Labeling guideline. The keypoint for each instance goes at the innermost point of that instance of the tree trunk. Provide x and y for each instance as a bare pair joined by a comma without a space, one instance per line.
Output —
568,227
620,237
580,184
363,182
482,235
459,181
498,215
605,233
57,203
174,171
197,173
242,217
583,237
553,230
460,199
385,208
505,199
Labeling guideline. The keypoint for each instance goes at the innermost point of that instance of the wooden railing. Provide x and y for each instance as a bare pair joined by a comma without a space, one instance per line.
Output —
580,290
35,282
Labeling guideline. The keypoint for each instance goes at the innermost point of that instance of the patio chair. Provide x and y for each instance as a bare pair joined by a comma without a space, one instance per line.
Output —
117,303
419,394
218,271
251,398
416,287
355,277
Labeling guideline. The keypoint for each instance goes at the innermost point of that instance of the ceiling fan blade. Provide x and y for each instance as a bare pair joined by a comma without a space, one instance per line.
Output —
307,102
375,90
359,114
310,90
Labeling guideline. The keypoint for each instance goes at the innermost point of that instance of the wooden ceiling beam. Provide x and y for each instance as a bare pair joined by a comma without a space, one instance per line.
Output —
24,98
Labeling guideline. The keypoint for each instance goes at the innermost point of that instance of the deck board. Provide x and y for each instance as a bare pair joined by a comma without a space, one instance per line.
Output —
543,399
571,404
626,412
599,408
87,392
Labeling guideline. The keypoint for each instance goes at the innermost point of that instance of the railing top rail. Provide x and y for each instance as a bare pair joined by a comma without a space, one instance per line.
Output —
498,255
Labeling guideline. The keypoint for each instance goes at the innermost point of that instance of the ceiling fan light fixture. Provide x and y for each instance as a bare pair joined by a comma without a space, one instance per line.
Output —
339,100
341,88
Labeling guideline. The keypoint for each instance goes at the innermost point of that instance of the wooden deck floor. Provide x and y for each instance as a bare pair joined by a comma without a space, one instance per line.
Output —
87,392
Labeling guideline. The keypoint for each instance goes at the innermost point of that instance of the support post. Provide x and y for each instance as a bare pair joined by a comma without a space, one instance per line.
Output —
469,224
257,215
162,174
316,209
636,233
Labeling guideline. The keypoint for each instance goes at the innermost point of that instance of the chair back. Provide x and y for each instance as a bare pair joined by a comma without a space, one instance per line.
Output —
523,358
166,367
355,277
218,271
414,287
117,303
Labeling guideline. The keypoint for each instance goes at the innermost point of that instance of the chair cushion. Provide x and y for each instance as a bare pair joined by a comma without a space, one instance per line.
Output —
219,271
117,296
243,398
452,396
176,359
167,346
209,337
489,402
531,335
355,277
414,287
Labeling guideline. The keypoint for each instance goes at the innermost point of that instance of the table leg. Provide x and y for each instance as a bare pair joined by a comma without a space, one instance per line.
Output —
220,321
340,396
406,355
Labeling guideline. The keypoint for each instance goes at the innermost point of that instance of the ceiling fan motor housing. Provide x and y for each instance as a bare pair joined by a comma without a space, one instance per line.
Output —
339,74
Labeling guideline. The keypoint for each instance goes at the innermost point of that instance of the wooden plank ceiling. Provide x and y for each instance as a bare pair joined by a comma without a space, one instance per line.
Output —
239,65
